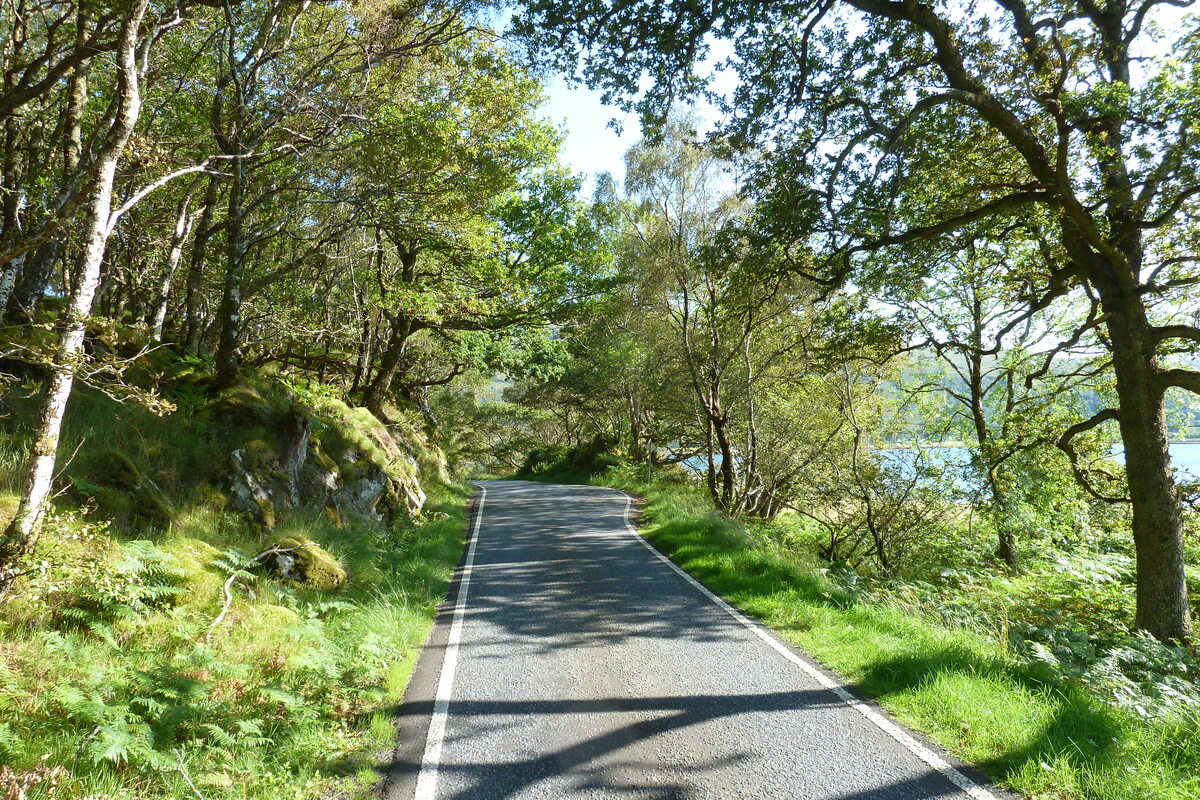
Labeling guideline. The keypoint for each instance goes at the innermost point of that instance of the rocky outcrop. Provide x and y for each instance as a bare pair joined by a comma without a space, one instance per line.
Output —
378,473
242,406
331,456
293,450
248,490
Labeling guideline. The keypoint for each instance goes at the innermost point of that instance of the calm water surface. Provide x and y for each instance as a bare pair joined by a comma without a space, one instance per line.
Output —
1184,455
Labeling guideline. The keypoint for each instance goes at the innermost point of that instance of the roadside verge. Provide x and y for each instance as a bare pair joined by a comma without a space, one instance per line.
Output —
1029,728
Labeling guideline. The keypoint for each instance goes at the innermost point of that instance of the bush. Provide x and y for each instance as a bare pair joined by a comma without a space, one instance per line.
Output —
589,459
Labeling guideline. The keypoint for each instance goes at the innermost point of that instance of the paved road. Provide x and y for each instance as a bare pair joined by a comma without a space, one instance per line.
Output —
583,666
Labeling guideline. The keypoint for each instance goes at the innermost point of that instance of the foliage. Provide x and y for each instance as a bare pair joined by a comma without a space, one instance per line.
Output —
595,456
114,681
886,146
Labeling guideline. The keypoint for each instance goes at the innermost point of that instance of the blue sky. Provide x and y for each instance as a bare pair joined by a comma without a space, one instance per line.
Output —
593,146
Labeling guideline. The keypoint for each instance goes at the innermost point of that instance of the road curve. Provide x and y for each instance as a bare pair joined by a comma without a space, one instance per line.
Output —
580,665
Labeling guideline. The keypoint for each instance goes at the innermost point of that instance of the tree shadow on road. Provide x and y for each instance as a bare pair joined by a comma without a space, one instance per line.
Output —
600,763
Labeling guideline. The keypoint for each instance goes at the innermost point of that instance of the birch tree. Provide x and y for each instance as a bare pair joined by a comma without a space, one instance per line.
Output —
138,32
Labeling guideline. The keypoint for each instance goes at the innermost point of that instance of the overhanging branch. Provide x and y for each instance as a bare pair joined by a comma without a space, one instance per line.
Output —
1066,444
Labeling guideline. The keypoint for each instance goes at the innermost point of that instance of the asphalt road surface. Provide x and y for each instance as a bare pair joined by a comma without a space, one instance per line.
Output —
581,664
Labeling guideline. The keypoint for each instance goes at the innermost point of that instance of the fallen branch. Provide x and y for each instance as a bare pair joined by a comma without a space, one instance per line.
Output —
227,589
183,771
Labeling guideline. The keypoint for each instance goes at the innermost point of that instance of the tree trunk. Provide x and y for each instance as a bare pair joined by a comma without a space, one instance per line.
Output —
752,483
402,329
33,280
637,452
1162,605
183,227
720,424
196,323
18,539
366,350
230,313
35,277
366,344
9,279
1006,536
11,200
1006,548
710,453
389,367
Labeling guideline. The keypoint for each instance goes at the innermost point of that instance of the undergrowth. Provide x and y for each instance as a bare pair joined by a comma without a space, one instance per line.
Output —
124,673
1049,701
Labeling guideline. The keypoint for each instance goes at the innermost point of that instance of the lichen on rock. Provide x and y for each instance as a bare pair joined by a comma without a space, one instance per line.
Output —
379,467
320,453
249,491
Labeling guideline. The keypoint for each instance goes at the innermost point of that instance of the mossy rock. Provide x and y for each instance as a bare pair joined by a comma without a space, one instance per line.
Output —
360,436
334,515
241,406
327,463
125,493
308,564
260,451
210,496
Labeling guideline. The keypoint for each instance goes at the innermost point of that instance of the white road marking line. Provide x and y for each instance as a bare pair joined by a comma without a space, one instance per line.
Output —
427,777
883,723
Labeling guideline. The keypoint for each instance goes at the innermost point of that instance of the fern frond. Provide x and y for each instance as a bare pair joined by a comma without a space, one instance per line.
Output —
217,734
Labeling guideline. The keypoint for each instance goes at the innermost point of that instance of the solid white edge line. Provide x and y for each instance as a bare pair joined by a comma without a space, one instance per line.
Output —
427,777
883,723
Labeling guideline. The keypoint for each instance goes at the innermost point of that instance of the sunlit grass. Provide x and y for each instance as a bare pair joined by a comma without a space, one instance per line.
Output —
1029,727
292,695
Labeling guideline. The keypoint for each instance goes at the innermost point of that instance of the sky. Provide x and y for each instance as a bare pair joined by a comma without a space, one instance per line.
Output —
591,146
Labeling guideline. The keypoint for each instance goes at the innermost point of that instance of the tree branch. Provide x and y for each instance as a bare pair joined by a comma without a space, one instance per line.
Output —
1066,444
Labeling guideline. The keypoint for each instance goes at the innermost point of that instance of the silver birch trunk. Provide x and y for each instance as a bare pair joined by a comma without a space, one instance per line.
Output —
179,236
9,279
20,536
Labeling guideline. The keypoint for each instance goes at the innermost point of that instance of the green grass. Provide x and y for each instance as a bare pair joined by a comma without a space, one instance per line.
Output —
112,678
292,695
1026,725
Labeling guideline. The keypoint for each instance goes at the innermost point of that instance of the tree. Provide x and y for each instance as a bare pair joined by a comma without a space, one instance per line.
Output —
737,320
857,100
474,226
205,172
289,75
109,141
1006,399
